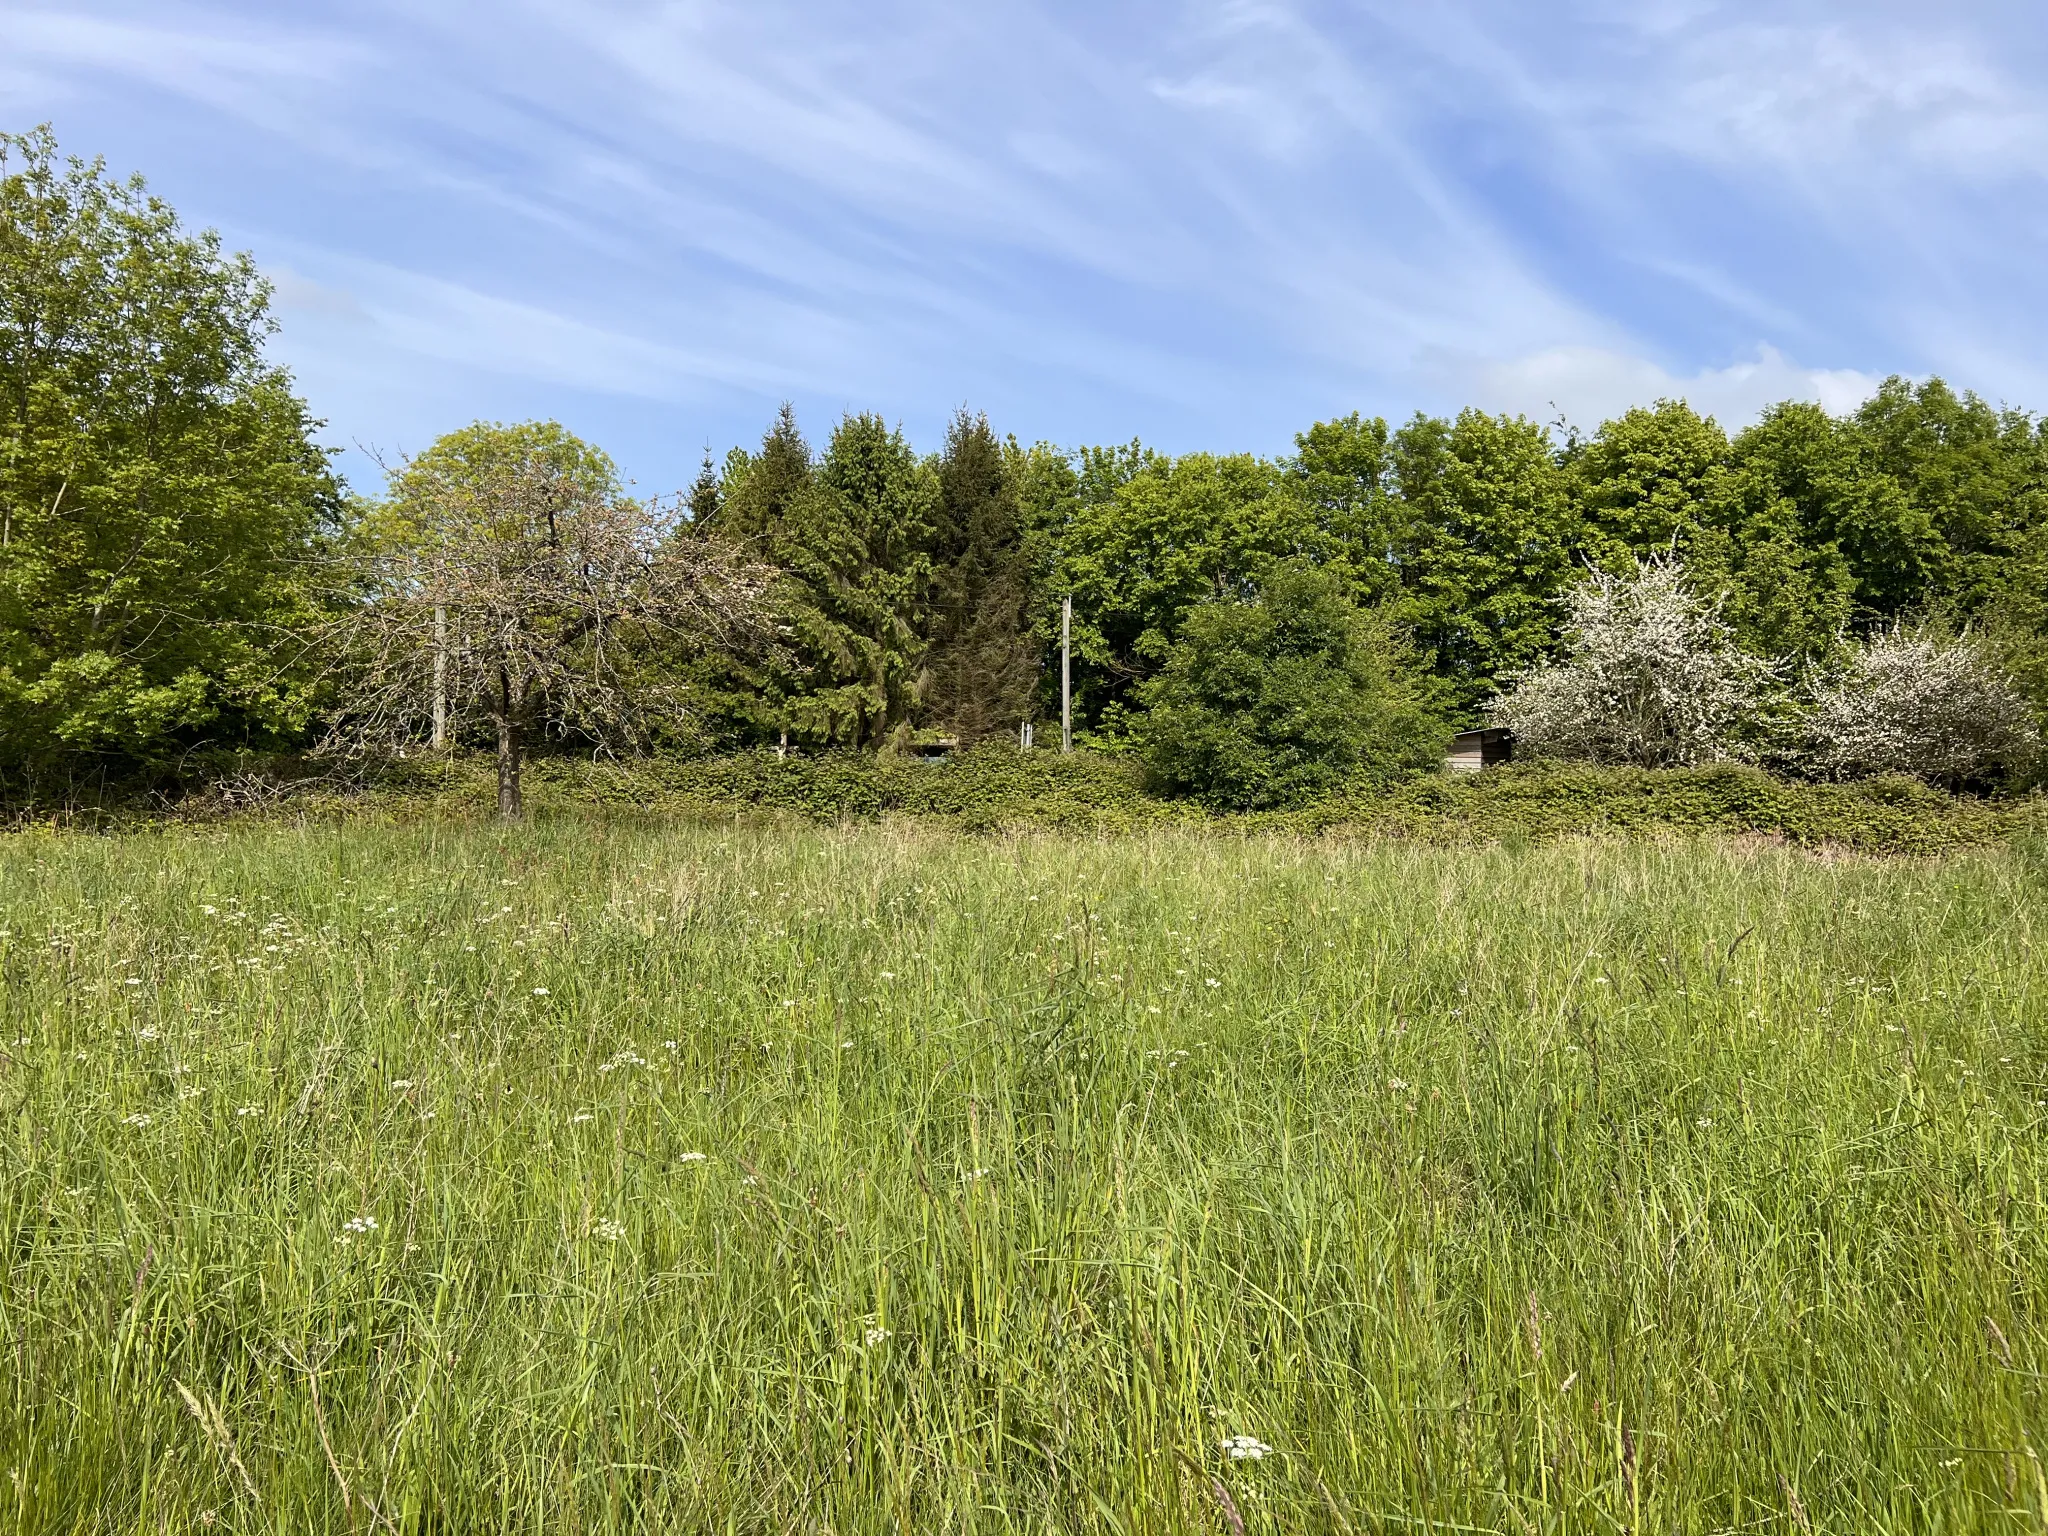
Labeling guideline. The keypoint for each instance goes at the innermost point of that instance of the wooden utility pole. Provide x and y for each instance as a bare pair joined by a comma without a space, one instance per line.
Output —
1066,674
440,676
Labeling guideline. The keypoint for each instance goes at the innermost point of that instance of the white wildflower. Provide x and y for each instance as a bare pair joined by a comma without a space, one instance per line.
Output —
873,1336
246,1110
580,1118
136,1120
358,1226
610,1231
1245,1448
402,1085
691,1157
540,991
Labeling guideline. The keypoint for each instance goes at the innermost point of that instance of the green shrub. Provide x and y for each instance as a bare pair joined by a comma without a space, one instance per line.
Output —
1280,701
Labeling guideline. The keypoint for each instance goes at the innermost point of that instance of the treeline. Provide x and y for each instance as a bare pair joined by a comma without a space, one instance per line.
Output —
179,563
929,588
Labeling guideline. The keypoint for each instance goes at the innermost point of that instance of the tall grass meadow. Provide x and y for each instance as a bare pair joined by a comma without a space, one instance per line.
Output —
602,1175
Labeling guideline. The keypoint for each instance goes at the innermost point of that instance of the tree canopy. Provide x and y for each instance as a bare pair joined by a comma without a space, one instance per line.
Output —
1278,699
160,489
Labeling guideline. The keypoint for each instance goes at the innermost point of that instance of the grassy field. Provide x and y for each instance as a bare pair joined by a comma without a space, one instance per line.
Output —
599,1175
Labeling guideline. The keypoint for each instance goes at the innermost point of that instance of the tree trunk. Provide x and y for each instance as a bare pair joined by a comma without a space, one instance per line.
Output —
509,806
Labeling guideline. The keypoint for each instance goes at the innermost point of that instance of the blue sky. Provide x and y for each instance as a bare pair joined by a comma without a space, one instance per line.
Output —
1205,223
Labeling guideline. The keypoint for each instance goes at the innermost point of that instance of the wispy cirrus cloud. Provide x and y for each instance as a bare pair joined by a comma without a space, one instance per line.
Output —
1208,221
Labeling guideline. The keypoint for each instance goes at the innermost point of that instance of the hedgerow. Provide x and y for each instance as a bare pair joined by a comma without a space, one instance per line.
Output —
998,788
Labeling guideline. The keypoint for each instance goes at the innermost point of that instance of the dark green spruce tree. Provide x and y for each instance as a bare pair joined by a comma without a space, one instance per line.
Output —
706,496
982,674
883,495
849,532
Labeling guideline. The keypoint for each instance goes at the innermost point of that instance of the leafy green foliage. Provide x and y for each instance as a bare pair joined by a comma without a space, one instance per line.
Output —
160,493
160,490
1280,700
1493,534
1141,541
997,788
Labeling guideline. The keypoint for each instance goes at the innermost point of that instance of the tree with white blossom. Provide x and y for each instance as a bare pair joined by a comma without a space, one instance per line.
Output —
1651,676
1922,704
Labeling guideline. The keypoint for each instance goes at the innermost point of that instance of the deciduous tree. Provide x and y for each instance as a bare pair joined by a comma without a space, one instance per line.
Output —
160,489
1651,677
1279,699
508,583
1932,706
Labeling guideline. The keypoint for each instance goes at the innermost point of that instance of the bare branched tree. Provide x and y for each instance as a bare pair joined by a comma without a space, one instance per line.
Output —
518,596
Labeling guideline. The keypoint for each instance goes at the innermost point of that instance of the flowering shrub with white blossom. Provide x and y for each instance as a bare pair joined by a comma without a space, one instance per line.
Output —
1651,677
1933,707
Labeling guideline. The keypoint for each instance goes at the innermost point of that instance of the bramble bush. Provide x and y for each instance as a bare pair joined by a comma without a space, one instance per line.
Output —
997,789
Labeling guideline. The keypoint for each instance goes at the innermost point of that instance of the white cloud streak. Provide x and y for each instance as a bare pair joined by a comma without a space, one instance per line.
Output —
1588,385
1208,219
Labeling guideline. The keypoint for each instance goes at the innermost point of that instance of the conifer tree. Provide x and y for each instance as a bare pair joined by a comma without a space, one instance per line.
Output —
983,668
849,533
885,495
705,498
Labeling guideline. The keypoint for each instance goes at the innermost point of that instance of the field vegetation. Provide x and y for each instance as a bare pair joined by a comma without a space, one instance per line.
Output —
598,1175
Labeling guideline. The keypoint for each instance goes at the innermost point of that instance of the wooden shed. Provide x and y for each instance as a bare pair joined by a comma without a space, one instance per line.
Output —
1486,748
